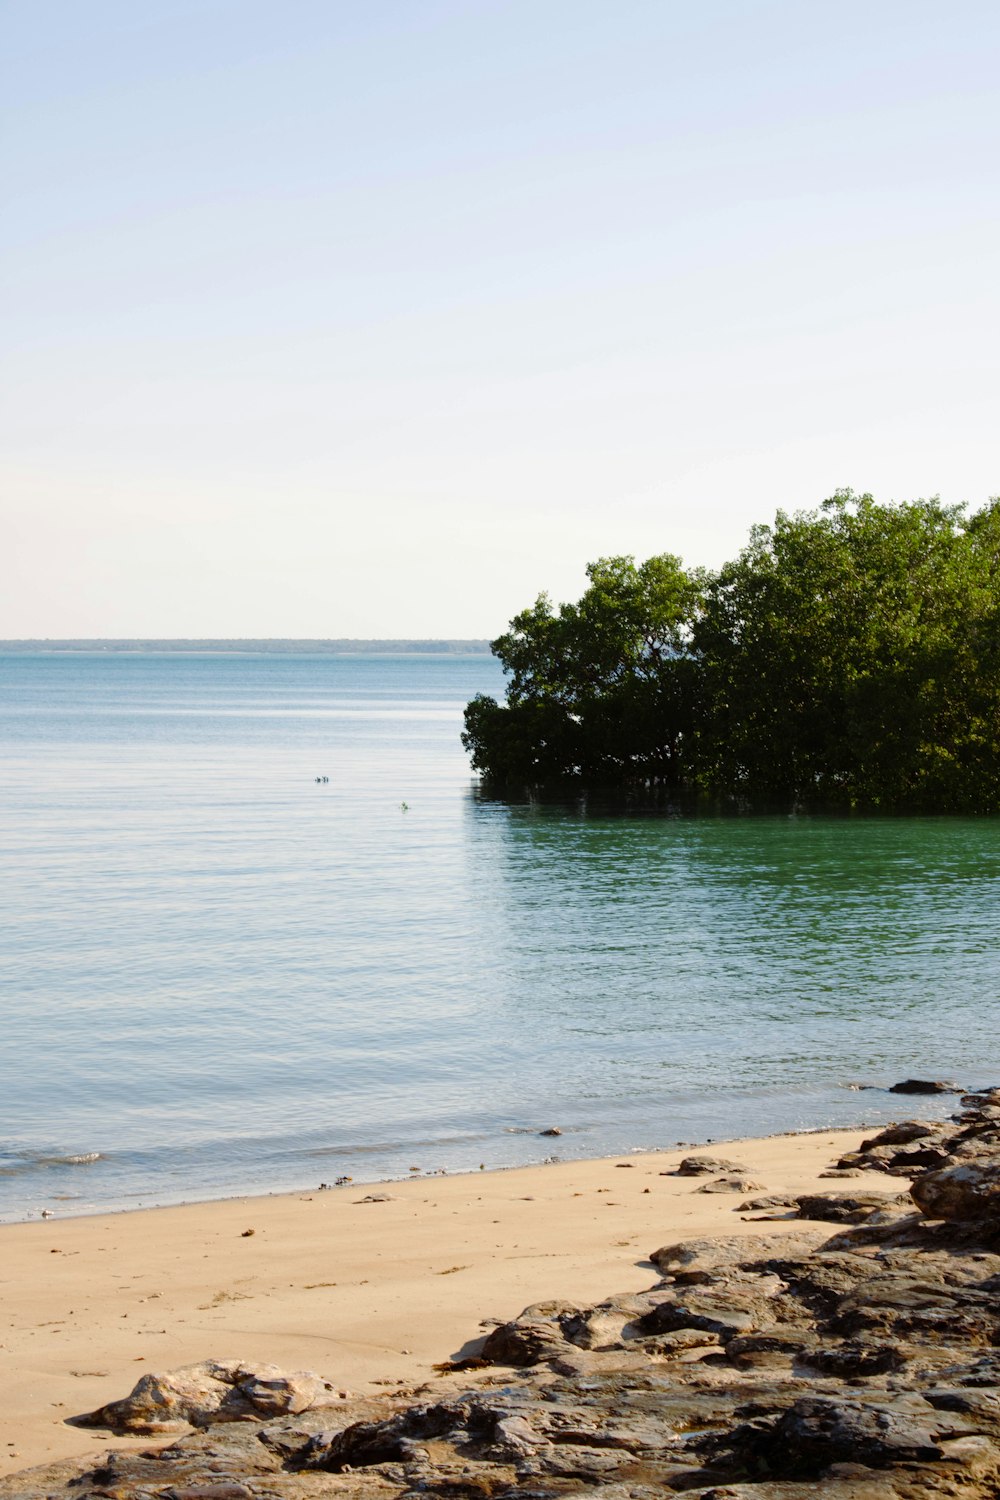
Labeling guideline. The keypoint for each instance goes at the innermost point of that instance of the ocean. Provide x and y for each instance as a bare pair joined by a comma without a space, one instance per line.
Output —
261,930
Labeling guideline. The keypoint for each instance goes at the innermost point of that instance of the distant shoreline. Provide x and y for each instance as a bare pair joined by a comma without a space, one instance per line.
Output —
251,646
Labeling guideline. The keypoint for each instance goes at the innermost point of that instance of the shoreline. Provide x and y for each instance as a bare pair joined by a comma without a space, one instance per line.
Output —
347,1282
58,1210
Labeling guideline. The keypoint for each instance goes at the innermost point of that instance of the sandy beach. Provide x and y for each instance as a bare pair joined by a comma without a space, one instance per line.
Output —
368,1285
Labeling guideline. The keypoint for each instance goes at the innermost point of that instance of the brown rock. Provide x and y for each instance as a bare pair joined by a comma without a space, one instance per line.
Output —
968,1191
816,1432
723,1309
901,1134
731,1185
527,1342
777,1347
708,1258
214,1391
844,1208
913,1159
853,1360
707,1166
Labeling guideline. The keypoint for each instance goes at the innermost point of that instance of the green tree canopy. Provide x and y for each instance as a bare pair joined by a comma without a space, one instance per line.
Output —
848,656
599,690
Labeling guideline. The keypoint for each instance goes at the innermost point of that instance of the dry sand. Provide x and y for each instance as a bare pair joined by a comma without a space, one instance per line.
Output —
364,1293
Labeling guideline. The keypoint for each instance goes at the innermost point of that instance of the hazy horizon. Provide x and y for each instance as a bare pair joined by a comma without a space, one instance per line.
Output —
341,645
332,321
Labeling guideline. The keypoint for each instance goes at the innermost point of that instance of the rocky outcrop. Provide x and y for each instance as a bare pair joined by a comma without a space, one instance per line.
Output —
856,1356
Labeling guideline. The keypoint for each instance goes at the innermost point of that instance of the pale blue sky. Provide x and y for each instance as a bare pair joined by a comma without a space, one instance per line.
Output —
376,318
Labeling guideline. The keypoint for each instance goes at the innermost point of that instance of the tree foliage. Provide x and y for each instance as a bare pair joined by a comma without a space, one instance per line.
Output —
849,656
599,690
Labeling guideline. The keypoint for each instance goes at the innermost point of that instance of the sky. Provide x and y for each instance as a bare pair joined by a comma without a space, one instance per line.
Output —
378,317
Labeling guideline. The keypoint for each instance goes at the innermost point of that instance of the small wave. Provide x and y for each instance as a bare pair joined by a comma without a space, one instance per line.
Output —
18,1163
372,1148
379,1148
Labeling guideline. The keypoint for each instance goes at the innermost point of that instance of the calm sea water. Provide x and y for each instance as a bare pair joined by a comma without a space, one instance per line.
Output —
221,976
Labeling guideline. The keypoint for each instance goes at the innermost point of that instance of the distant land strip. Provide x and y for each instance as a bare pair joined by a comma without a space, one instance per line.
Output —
277,647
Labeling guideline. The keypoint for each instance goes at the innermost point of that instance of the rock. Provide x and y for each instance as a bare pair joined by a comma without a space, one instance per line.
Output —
859,1161
527,1342
913,1159
553,1310
901,1134
983,1405
680,1341
970,1190
989,1096
854,1360
984,1114
844,1208
906,1306
924,1086
707,1258
552,1130
364,1444
716,1308
765,1350
598,1328
213,1391
816,1432
609,1325
875,1159
731,1185
979,1133
226,1490
879,1229
707,1166
818,1283
770,1201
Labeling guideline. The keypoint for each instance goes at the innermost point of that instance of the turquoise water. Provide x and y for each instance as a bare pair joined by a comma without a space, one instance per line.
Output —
221,976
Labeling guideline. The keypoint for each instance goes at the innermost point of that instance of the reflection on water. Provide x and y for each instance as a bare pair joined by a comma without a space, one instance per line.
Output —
223,976
747,953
